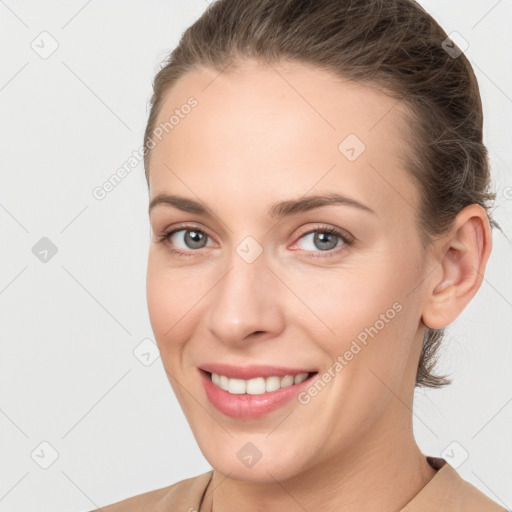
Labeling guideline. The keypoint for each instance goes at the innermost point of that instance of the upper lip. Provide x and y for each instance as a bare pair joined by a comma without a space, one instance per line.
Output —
252,371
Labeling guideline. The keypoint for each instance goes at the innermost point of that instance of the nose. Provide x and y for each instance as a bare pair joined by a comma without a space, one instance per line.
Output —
247,303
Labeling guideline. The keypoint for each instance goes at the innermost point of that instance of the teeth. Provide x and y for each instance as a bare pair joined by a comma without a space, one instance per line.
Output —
272,383
286,381
256,386
300,378
236,386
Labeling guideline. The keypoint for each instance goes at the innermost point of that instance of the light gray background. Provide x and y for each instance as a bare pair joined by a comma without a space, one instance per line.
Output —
68,373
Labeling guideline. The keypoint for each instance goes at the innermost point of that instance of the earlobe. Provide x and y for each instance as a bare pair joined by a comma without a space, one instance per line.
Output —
463,255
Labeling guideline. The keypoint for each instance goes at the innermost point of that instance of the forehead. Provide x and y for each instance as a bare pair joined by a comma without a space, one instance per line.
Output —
283,127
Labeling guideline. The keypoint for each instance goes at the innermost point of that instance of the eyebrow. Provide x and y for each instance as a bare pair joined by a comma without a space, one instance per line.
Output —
277,210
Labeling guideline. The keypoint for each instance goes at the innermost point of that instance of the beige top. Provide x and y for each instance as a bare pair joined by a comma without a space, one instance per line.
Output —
446,492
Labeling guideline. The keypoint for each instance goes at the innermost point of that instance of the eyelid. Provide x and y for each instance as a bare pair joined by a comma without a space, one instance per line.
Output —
187,226
343,233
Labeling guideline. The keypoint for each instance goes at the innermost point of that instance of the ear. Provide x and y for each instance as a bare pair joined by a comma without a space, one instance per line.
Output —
462,257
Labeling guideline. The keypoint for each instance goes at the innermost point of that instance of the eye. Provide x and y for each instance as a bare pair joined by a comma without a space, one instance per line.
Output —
184,240
187,240
324,239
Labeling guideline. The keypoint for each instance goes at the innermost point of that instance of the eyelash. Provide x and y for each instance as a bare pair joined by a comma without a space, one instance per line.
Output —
347,240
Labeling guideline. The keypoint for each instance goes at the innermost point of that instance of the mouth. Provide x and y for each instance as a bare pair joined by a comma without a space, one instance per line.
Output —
257,385
264,389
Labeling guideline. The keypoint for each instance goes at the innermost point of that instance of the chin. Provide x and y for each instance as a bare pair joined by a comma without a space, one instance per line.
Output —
242,460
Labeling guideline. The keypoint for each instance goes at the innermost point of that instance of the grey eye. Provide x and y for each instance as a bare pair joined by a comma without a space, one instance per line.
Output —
193,239
319,240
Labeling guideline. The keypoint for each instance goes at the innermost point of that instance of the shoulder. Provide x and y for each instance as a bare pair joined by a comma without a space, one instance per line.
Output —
472,499
185,493
448,491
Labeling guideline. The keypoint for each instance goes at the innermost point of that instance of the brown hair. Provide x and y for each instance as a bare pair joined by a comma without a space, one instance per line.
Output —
393,45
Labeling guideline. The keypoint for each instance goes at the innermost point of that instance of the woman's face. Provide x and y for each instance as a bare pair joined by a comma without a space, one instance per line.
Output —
265,291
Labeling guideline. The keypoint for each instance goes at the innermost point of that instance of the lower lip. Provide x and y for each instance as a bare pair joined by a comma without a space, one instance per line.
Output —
250,406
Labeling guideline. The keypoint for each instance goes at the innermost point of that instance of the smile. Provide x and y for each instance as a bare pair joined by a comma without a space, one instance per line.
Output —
254,391
258,385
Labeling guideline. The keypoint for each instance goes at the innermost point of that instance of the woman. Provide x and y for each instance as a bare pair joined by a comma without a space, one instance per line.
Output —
319,211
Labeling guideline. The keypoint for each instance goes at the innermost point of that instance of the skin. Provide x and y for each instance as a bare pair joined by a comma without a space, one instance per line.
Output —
262,134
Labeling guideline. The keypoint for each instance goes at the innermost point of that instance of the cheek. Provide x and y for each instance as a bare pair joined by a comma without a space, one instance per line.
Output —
159,298
170,296
344,301
176,298
360,316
